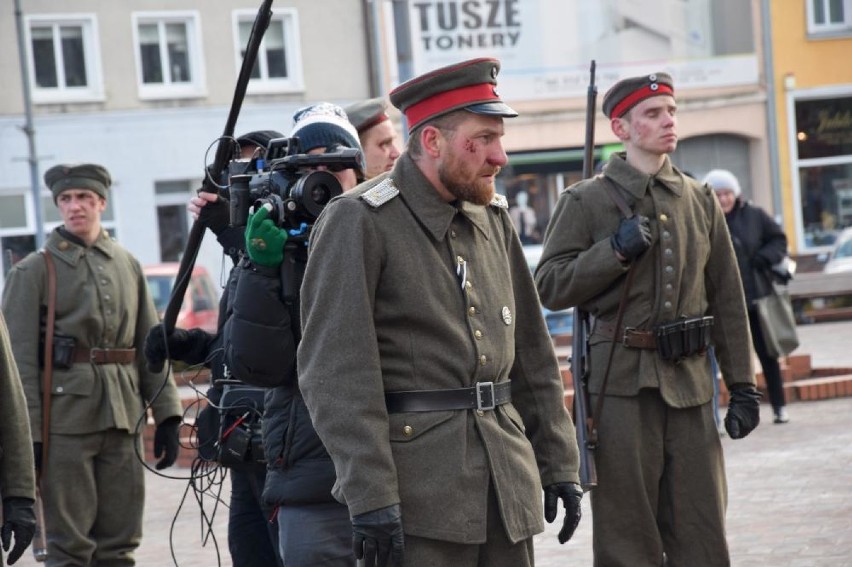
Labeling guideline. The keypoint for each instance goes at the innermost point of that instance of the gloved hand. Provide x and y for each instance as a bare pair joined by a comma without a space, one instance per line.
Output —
180,342
743,411
166,442
377,537
264,240
571,495
18,519
633,237
216,215
37,449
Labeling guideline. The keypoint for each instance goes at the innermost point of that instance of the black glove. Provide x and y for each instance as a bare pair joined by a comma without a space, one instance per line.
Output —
571,495
633,237
216,215
18,519
743,411
377,537
37,449
180,344
166,442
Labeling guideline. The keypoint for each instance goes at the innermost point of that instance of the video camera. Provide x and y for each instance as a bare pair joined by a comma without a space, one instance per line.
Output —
288,181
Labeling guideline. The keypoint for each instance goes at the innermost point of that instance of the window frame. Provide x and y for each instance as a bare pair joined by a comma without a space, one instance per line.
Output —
94,90
828,29
294,82
195,88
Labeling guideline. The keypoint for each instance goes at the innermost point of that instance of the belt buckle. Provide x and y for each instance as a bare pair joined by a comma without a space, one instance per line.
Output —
624,335
485,397
92,357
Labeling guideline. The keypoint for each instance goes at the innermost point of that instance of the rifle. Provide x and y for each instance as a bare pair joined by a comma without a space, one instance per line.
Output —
586,438
224,151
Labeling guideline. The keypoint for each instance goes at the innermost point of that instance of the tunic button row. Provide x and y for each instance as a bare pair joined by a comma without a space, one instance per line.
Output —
478,334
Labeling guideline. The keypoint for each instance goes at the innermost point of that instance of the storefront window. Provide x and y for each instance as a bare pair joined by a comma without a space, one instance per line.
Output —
824,144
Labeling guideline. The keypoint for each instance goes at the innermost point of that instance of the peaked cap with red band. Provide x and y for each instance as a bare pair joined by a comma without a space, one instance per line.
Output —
627,93
367,113
471,85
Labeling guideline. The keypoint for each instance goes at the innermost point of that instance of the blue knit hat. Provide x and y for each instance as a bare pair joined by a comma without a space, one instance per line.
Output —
323,125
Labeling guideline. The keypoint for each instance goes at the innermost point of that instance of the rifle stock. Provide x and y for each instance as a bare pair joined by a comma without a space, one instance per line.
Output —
580,339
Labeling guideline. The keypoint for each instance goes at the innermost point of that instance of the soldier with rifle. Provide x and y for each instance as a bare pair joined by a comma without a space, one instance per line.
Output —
645,251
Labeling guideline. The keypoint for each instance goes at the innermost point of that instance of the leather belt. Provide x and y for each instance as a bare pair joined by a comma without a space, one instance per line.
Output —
483,396
104,355
630,337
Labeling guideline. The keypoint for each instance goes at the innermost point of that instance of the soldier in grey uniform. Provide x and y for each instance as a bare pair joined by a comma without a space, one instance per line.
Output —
425,362
661,493
17,470
376,134
92,483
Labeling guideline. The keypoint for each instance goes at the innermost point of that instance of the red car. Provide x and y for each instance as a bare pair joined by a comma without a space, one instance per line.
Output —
200,306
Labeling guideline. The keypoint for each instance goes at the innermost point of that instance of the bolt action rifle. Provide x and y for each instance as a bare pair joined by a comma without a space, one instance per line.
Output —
586,438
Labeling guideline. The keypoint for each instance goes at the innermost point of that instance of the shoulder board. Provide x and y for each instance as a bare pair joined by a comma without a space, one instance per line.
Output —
499,201
381,193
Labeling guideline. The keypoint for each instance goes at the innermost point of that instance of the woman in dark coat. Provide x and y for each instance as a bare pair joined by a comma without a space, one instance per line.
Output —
759,244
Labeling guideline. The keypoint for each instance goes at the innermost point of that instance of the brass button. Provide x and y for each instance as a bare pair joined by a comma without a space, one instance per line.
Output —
478,334
664,217
471,311
459,260
408,431
59,389
480,413
667,234
468,285
667,304
483,360
63,245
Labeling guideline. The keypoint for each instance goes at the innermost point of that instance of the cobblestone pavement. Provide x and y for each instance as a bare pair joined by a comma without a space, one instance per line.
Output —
790,491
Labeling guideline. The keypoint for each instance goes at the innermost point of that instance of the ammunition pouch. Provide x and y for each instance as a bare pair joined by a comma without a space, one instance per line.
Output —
683,338
63,352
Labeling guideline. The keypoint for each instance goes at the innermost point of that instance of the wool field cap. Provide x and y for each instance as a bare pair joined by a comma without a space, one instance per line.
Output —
721,180
469,85
627,93
67,176
367,113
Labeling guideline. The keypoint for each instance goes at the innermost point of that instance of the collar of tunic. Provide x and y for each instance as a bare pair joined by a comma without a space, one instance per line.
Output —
435,214
71,250
636,182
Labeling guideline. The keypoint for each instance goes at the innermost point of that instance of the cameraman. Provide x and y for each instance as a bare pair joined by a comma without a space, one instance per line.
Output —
261,338
252,539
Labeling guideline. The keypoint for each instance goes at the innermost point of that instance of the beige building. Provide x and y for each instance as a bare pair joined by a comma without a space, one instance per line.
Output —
145,87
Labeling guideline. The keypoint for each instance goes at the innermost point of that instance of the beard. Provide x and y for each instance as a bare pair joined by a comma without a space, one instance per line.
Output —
456,179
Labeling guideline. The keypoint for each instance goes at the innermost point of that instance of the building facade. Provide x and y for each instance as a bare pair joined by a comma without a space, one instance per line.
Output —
145,88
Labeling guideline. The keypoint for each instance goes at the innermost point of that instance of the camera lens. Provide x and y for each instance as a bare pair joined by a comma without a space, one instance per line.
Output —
313,191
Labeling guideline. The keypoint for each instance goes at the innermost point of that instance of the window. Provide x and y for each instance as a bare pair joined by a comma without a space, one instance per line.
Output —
172,218
168,55
64,60
278,67
829,17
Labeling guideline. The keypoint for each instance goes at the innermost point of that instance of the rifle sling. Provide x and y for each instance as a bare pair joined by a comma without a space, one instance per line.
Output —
47,386
593,420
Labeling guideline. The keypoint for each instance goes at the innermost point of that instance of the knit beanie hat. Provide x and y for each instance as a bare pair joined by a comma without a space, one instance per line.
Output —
721,179
323,125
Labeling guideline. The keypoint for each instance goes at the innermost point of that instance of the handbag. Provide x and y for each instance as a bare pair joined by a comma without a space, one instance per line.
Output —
777,322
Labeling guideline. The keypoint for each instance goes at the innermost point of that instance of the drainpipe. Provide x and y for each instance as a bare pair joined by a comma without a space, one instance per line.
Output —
28,128
771,111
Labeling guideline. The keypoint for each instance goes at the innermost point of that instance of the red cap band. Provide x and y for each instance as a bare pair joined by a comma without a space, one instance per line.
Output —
378,119
639,95
456,98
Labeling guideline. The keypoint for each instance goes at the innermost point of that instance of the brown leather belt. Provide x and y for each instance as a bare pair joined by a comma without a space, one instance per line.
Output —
630,337
104,355
483,396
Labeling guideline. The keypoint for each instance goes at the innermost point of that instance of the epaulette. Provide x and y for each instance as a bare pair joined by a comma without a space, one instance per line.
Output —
381,193
499,201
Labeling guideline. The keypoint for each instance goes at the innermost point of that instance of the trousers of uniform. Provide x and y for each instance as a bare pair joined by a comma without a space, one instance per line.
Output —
661,493
315,535
93,489
252,538
497,551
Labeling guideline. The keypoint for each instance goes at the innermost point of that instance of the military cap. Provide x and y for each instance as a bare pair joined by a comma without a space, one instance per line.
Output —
367,113
471,85
627,93
90,176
